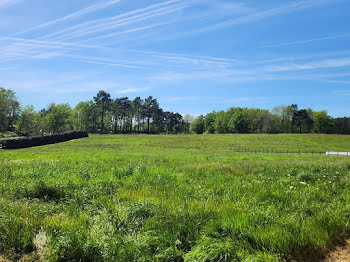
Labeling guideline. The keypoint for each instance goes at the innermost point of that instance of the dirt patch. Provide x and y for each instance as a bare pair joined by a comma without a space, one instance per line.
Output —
340,254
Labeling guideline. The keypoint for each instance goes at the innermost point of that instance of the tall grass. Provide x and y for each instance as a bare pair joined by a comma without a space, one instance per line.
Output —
172,198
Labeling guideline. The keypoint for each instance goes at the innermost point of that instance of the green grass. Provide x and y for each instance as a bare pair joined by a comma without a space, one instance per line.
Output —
174,198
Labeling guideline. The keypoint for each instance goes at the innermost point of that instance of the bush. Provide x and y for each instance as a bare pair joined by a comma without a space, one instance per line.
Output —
41,140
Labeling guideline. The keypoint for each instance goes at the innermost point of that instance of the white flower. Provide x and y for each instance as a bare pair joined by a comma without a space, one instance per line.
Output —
40,241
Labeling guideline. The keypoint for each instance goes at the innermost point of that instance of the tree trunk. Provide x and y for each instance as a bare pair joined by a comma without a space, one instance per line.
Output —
102,123
148,125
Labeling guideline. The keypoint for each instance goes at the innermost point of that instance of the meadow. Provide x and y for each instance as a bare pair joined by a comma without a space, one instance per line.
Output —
174,198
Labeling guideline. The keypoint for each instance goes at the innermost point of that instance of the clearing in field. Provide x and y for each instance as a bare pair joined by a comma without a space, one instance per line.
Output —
174,198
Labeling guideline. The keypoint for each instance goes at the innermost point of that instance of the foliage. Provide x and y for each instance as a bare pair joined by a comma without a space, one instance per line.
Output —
26,121
122,115
302,119
323,123
103,101
209,122
9,109
58,118
85,116
197,125
24,142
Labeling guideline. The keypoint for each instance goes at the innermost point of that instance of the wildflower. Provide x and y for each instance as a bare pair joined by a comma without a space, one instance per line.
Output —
304,183
291,187
40,242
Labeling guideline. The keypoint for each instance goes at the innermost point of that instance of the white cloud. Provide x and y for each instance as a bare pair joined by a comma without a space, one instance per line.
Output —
342,92
6,3
132,90
184,98
328,63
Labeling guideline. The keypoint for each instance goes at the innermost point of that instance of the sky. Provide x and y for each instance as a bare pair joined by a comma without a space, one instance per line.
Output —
194,56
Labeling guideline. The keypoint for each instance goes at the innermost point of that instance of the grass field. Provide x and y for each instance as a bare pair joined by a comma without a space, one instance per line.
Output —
174,198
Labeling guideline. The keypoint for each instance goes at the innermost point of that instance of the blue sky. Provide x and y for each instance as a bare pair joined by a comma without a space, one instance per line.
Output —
195,56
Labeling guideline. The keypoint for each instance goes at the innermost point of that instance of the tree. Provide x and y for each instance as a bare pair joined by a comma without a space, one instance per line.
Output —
238,122
85,116
342,125
173,122
302,119
188,118
58,118
10,109
284,116
158,124
323,123
197,125
150,109
209,122
179,123
103,101
220,123
260,121
169,122
138,104
125,107
3,113
26,121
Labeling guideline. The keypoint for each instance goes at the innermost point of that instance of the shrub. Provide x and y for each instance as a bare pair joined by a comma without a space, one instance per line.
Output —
41,140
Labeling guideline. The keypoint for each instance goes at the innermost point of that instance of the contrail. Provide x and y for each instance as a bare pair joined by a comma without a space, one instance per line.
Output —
109,64
285,9
308,41
117,21
76,14
129,31
108,19
51,44
128,21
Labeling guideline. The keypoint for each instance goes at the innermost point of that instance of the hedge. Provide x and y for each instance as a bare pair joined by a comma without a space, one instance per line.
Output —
41,140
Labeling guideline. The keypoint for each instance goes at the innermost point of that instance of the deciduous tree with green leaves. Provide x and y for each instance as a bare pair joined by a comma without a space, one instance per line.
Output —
9,109
197,125
58,118
26,123
323,123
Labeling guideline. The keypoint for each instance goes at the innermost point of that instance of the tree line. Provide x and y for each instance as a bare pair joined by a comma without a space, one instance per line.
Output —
103,114
281,119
